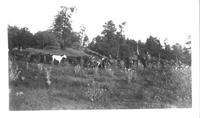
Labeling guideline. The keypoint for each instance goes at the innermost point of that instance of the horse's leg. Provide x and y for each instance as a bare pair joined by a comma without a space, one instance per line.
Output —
59,61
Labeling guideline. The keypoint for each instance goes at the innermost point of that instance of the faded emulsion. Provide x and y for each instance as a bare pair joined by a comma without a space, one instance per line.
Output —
60,69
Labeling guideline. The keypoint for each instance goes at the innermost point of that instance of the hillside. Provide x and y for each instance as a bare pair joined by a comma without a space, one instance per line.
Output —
105,90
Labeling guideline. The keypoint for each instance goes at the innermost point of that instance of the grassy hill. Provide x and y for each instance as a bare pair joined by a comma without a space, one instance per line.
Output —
86,89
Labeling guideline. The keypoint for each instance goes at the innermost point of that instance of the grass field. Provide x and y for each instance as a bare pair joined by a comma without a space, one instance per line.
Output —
161,88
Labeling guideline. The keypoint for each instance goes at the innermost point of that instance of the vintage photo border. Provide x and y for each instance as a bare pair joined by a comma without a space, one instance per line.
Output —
156,113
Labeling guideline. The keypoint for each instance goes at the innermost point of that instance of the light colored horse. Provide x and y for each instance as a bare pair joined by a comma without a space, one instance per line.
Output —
58,58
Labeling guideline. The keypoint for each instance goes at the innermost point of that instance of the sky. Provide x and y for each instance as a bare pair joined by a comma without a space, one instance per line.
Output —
171,19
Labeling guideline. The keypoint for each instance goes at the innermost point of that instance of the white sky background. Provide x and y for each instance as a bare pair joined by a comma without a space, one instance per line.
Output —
172,19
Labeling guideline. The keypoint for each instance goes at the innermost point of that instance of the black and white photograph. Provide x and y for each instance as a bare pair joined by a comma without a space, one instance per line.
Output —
100,54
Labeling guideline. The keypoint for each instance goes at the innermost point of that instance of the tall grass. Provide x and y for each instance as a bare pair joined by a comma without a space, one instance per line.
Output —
13,70
48,75
149,88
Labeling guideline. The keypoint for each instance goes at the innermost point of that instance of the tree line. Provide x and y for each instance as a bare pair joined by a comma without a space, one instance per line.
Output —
111,42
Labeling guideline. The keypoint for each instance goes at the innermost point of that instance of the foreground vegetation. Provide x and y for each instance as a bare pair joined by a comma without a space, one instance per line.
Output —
158,88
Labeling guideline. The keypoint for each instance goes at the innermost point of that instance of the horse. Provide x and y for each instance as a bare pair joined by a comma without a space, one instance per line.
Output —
58,58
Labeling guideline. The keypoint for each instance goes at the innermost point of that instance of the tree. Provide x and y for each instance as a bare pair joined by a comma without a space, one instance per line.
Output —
153,46
120,37
84,38
85,41
62,26
132,46
13,37
124,52
121,27
99,45
186,57
75,41
109,30
142,48
82,34
46,39
113,39
167,53
105,44
20,38
112,42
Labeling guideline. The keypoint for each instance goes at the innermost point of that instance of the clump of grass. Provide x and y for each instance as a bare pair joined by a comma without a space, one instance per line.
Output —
90,71
14,71
48,75
77,69
94,91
